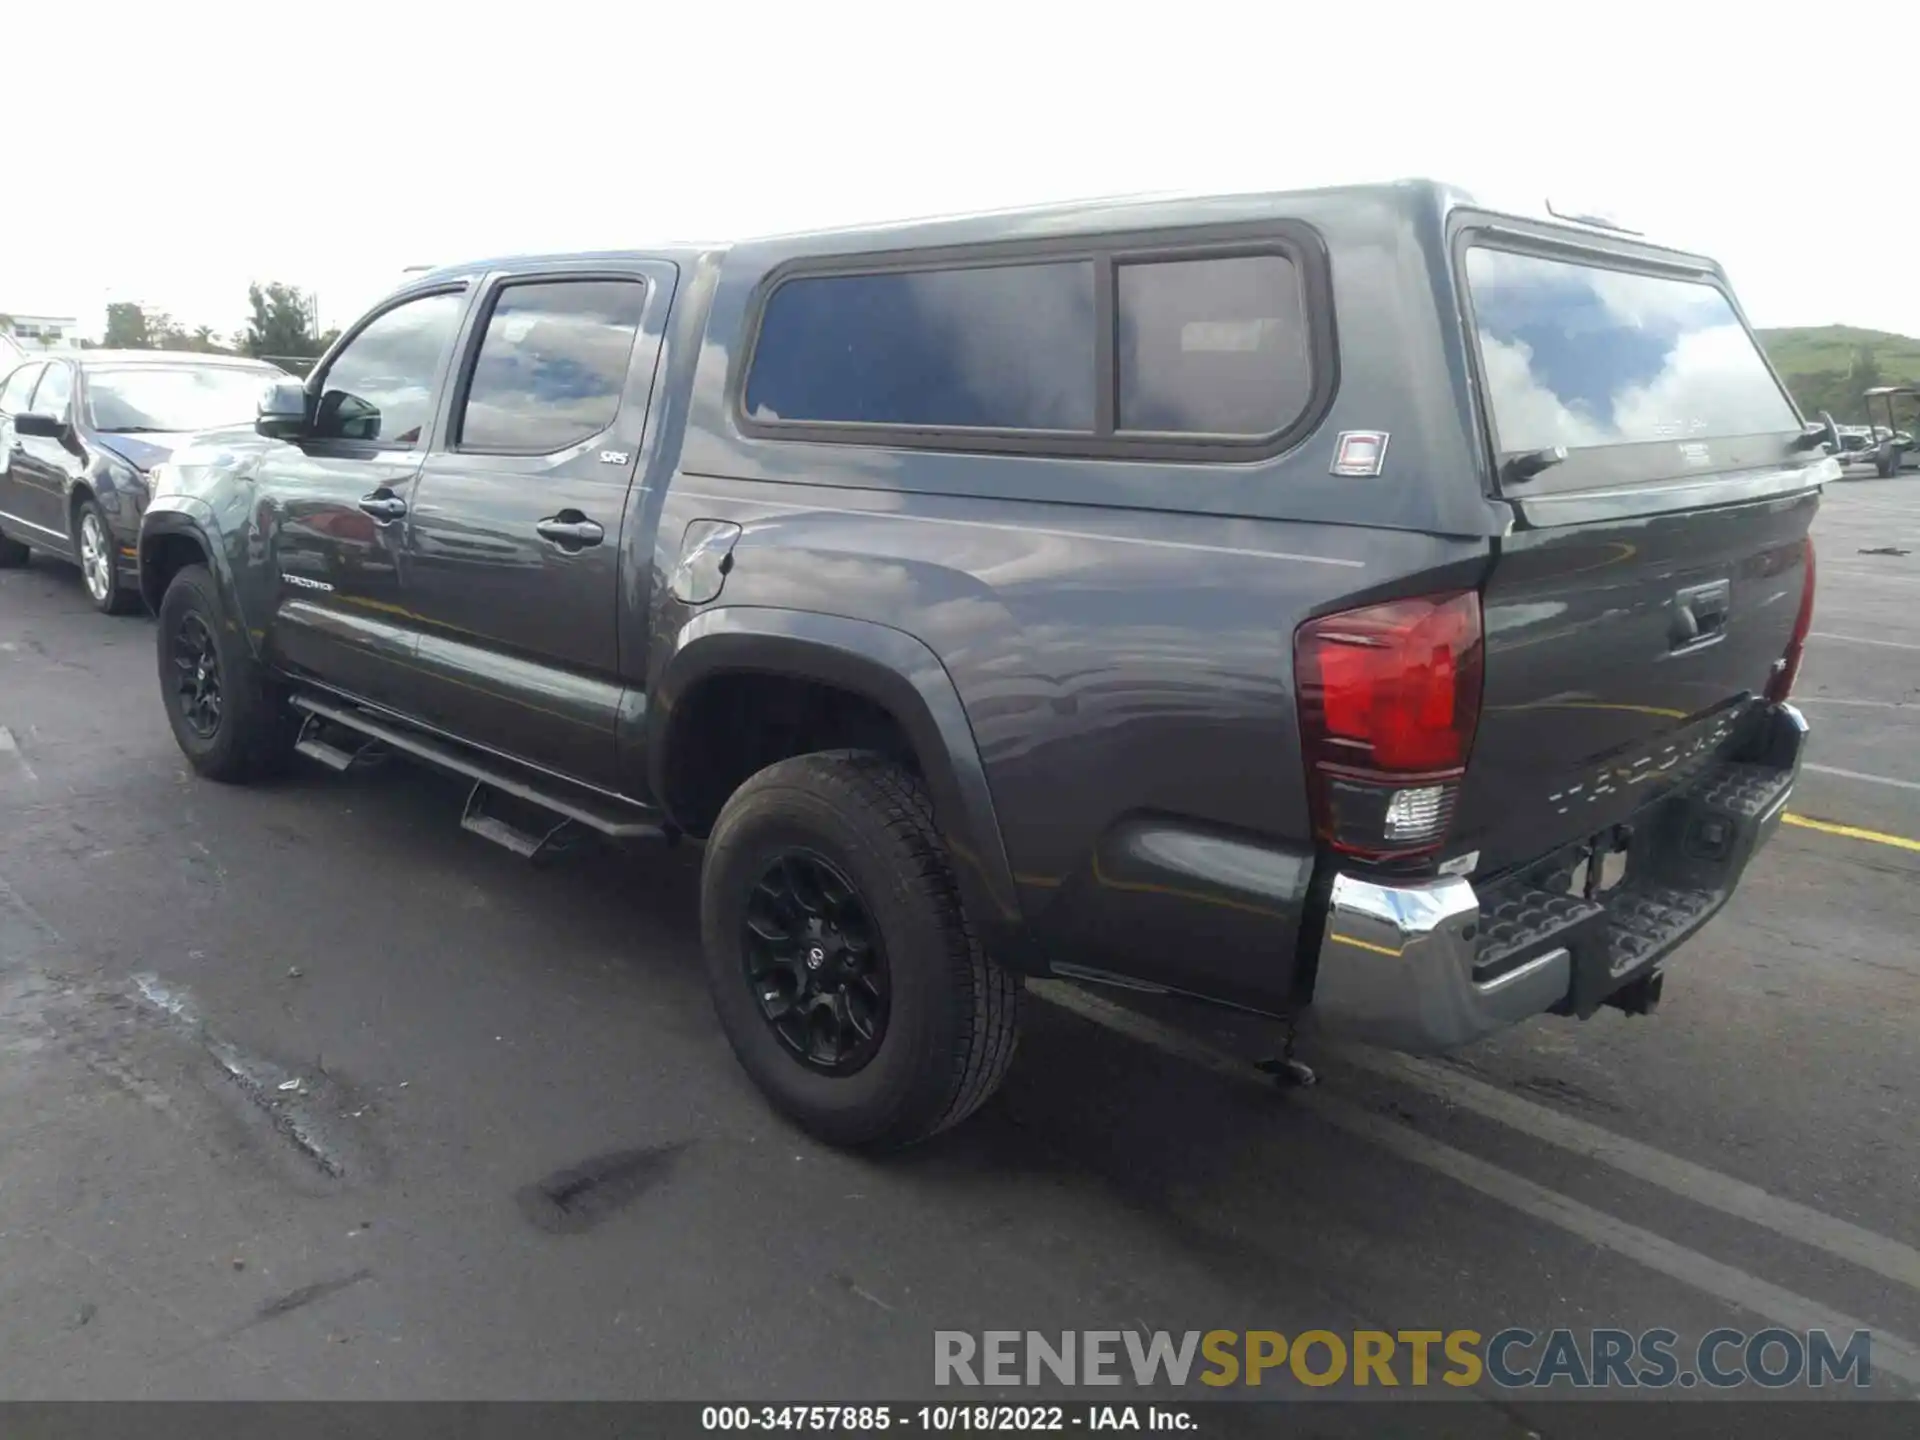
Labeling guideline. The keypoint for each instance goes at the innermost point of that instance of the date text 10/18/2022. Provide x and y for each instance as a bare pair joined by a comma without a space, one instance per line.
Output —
944,1419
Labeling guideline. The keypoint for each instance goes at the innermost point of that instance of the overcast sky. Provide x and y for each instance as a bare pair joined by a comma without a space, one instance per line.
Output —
332,144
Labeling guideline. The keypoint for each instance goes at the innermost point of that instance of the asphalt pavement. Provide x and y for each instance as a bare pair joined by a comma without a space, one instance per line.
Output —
306,1093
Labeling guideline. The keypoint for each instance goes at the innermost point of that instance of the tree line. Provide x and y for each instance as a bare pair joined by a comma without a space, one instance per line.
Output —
281,325
1842,392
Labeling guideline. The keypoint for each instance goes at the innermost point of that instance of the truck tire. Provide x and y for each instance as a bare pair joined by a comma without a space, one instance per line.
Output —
844,971
232,723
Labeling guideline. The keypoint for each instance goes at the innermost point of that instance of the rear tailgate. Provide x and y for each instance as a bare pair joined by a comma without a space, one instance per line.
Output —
1656,571
1595,698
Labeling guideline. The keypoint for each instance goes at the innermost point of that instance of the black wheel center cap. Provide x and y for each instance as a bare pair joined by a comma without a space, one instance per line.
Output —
824,950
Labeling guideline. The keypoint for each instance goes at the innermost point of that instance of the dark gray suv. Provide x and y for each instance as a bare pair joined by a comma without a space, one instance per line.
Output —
1351,604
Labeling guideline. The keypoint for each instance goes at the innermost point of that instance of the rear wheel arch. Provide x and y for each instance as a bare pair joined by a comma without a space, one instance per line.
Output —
739,679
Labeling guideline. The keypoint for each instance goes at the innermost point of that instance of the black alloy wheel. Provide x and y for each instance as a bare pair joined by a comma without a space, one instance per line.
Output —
196,664
814,961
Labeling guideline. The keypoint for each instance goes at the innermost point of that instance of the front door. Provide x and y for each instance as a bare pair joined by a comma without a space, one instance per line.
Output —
340,496
513,554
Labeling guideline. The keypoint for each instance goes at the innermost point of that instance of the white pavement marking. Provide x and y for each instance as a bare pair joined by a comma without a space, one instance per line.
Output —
1868,575
1842,700
1894,512
1709,1276
1684,1178
10,749
1861,640
1860,775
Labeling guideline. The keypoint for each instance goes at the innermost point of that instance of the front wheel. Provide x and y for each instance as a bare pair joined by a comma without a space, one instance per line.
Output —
842,966
231,722
99,563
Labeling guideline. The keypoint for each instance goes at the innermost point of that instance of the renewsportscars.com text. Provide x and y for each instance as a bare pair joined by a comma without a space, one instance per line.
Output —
1513,1358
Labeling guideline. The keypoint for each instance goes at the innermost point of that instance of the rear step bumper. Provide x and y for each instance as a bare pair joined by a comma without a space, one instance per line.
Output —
1432,965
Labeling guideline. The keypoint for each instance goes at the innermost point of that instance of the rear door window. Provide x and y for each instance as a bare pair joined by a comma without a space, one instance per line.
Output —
1588,357
552,365
1212,346
19,388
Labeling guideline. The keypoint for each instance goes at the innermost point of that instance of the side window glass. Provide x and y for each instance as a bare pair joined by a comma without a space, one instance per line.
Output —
19,388
1212,346
380,388
552,365
1001,347
56,387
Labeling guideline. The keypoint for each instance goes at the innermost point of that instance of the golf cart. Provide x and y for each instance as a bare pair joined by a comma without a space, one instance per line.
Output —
1894,447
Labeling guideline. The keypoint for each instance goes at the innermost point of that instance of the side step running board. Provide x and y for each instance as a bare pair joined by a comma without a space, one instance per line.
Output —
526,844
603,816
315,746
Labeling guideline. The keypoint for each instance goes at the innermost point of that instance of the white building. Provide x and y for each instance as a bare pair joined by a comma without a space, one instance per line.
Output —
44,331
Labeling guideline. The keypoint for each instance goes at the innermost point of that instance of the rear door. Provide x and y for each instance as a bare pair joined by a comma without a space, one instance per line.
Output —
340,495
513,537
1655,572
15,394
42,469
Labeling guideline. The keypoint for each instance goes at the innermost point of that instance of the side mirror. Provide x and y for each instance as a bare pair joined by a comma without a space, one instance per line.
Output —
35,422
1822,432
283,413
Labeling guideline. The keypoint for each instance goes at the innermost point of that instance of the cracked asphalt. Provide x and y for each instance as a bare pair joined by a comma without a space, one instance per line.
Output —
305,1093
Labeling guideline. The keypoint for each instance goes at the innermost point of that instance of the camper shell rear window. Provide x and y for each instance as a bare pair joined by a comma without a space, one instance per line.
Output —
1592,357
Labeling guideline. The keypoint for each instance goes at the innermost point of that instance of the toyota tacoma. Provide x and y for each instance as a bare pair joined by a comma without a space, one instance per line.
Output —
1355,606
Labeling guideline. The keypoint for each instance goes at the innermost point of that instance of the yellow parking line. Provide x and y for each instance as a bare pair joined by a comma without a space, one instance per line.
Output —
1852,832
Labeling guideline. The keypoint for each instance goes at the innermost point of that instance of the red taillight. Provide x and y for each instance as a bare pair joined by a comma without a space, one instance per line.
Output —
1389,700
1787,668
1393,687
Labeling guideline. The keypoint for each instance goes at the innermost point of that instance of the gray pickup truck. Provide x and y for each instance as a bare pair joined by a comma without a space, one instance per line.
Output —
1351,605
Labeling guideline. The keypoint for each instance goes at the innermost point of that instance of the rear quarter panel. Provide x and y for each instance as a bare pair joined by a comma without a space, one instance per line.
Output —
1128,682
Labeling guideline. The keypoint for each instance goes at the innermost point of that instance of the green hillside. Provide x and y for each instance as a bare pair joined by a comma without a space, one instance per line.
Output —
1828,367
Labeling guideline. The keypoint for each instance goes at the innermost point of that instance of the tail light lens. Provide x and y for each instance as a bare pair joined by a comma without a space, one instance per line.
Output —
1787,668
1389,701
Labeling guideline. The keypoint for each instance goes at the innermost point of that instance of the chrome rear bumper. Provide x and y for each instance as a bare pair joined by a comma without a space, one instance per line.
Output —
1396,968
1434,964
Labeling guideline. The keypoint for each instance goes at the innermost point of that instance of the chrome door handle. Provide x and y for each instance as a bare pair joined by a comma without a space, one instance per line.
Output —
383,506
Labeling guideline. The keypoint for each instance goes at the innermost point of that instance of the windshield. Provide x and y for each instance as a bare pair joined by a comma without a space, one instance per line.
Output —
173,397
1581,356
